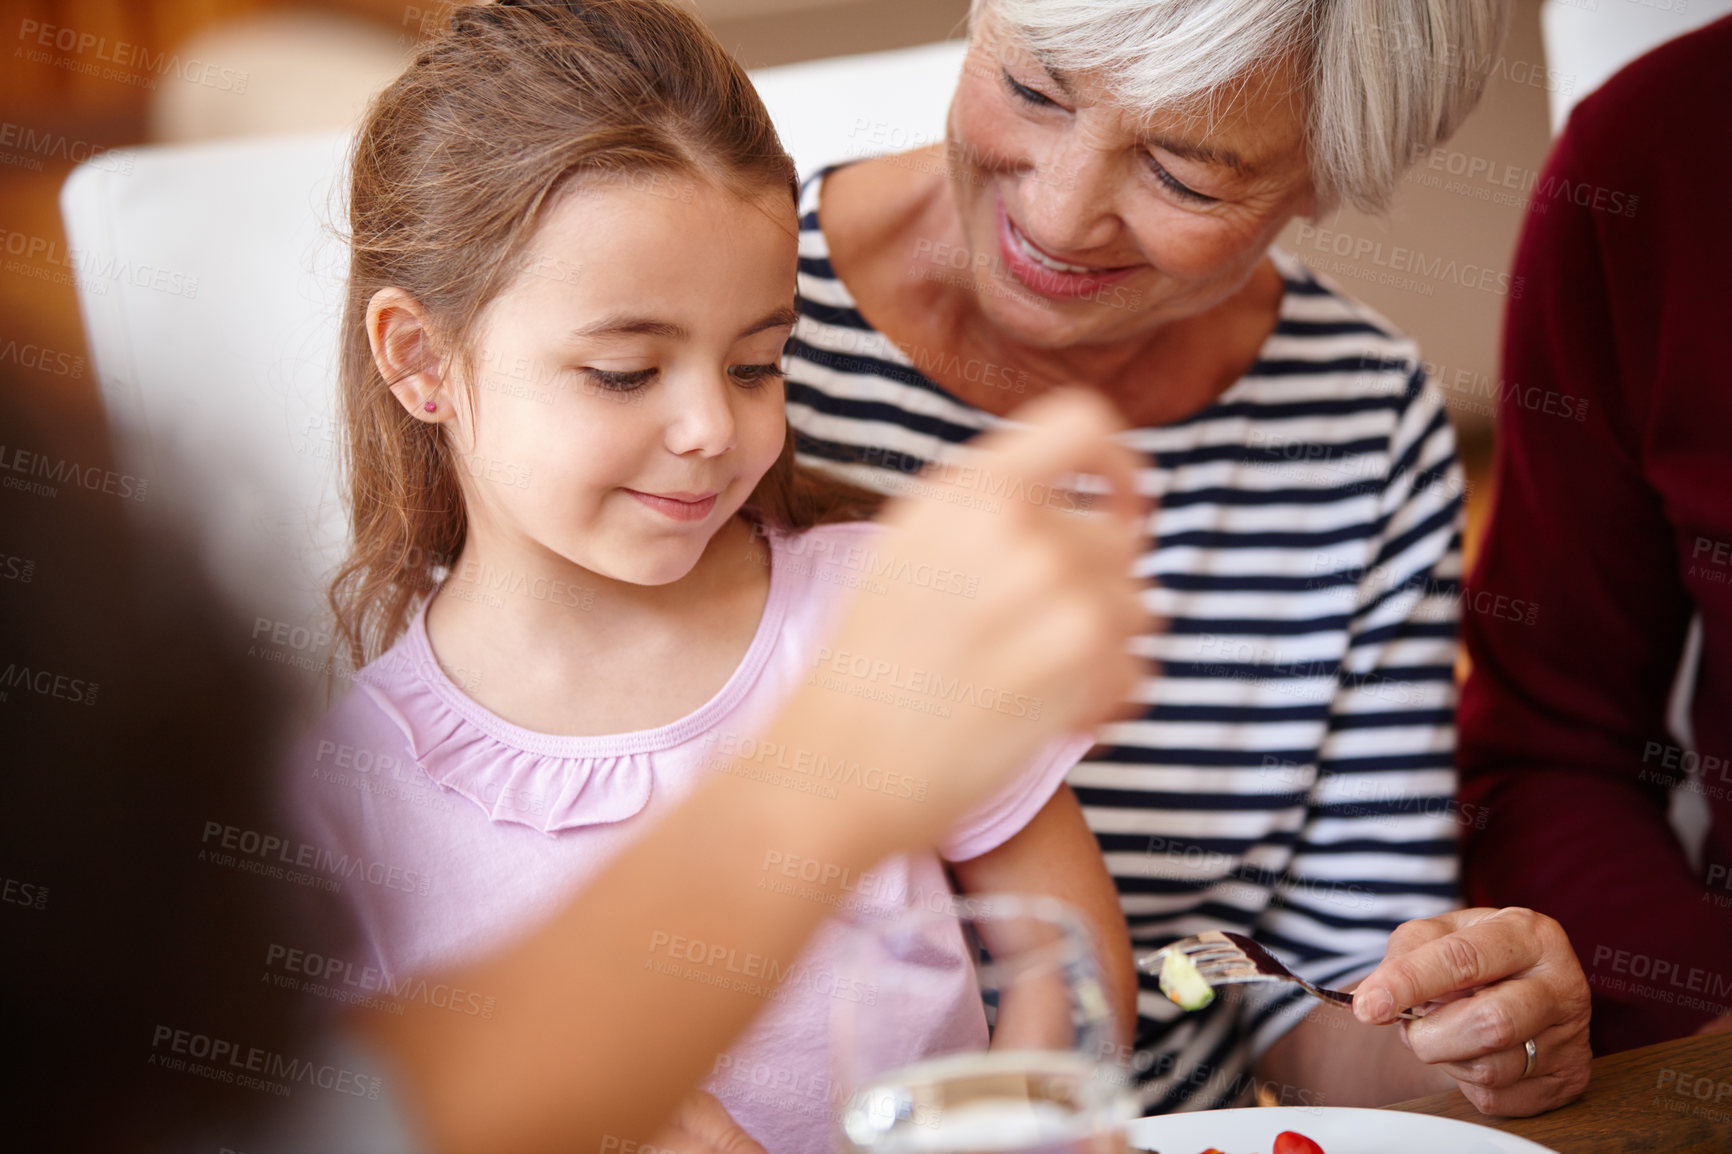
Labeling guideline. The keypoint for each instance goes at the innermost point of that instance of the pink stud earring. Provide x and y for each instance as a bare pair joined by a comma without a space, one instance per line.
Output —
431,406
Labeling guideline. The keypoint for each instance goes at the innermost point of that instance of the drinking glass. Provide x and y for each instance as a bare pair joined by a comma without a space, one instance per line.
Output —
1015,971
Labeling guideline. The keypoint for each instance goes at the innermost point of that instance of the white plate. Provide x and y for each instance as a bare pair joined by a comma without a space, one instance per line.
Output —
1337,1129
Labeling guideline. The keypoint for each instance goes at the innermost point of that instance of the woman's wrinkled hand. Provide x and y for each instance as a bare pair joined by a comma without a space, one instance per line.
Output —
1496,978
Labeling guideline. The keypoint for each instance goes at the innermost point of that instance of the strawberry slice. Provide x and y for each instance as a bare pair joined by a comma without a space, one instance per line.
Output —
1290,1142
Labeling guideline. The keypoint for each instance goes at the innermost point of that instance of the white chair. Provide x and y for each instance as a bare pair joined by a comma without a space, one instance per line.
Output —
211,278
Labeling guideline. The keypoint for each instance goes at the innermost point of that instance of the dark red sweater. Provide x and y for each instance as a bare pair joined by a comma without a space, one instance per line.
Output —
1614,517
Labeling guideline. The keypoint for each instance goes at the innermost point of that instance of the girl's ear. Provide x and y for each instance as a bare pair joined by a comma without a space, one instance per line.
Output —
401,336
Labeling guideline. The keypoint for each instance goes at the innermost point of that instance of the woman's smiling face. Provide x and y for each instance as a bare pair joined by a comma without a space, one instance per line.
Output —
628,393
1089,224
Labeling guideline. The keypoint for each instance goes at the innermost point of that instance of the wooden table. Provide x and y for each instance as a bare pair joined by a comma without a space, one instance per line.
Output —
1674,1098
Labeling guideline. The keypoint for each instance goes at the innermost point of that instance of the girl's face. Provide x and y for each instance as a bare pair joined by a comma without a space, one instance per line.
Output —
1091,225
627,391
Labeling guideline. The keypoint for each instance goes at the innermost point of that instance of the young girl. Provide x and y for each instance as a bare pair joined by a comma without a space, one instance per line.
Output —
586,570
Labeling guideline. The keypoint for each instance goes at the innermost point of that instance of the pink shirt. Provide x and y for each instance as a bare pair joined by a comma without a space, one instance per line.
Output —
466,830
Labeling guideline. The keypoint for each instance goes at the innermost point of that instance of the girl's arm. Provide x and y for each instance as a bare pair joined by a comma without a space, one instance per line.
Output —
1056,854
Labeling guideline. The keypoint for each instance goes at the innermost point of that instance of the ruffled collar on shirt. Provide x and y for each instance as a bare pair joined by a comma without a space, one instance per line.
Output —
544,781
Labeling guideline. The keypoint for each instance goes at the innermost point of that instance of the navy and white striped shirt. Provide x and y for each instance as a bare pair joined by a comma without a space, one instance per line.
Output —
1290,775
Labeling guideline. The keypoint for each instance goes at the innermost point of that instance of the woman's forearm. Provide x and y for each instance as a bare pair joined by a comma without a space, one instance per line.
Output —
1332,1059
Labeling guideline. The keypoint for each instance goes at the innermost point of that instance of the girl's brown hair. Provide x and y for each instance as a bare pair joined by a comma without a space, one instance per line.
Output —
450,174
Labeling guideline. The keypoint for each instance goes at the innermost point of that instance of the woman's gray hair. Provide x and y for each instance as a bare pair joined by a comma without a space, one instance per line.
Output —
1385,80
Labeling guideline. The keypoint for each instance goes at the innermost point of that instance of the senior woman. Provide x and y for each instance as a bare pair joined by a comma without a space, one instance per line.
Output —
1102,212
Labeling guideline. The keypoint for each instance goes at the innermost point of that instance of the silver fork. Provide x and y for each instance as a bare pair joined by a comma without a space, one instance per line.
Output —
1225,959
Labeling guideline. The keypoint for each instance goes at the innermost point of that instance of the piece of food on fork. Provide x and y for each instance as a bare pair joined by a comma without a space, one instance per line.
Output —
1183,982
